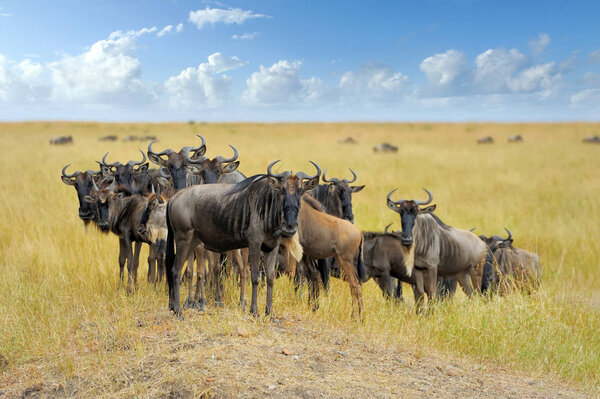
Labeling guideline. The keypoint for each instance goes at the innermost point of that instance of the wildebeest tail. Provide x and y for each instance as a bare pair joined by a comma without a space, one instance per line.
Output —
361,270
170,256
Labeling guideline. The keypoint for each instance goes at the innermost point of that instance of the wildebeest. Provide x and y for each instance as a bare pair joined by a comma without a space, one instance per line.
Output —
61,140
592,139
438,248
515,139
153,224
509,267
128,178
325,236
177,163
254,213
108,138
485,140
347,140
83,182
385,147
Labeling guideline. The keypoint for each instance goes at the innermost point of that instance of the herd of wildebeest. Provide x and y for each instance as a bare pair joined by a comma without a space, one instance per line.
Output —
205,212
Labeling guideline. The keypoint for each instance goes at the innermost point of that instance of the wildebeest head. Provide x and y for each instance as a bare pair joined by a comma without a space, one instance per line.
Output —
125,175
178,163
291,187
153,202
495,242
83,182
339,193
408,211
100,203
212,170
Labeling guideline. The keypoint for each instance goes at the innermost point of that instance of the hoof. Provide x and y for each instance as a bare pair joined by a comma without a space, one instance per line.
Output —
253,311
243,304
180,317
189,304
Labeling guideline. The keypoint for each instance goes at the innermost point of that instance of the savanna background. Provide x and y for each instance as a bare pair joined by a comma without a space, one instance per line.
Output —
67,328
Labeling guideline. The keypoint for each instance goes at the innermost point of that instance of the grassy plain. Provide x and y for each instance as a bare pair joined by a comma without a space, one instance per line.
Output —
64,320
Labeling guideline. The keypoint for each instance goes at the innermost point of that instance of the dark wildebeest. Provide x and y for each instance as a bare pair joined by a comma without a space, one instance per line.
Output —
61,140
485,140
336,197
108,138
83,183
122,215
255,213
324,236
592,139
128,178
385,147
515,139
509,267
177,163
438,248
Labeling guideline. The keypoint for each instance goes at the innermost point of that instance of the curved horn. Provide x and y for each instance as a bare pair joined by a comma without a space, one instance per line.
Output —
303,175
387,227
509,234
332,180
133,163
115,164
472,229
235,155
164,173
418,202
64,173
94,185
353,180
390,199
168,151
270,173
201,145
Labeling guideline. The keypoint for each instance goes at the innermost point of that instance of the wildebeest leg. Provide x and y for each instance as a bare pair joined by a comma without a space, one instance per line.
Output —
136,262
431,282
465,282
152,264
200,296
355,286
418,290
122,258
253,260
385,282
398,291
160,259
476,273
313,281
238,256
183,240
270,260
215,267
129,257
324,270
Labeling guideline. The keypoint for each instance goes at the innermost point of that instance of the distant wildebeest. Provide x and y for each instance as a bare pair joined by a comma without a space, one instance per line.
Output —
347,140
336,197
515,139
485,140
510,268
108,138
130,138
438,248
61,140
592,139
255,213
324,236
83,182
385,147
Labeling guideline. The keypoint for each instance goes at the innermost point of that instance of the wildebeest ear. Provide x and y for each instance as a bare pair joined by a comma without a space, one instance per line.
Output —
429,209
274,182
356,189
157,159
143,168
106,170
230,167
310,184
200,152
68,180
505,243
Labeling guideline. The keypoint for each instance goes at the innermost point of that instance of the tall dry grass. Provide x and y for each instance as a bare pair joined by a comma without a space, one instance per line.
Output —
59,293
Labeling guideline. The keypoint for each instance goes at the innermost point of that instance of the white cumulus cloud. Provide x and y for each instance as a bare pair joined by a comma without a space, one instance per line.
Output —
170,29
245,36
444,68
21,83
107,73
373,82
202,87
586,97
212,16
539,44
493,68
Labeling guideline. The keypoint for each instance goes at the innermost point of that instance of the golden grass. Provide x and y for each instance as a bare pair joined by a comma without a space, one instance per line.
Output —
63,311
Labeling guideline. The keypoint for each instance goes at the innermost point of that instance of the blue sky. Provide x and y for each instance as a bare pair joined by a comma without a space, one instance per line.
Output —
469,60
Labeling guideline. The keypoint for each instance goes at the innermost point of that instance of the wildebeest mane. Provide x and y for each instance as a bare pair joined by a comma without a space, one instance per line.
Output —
241,186
439,222
313,203
374,234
